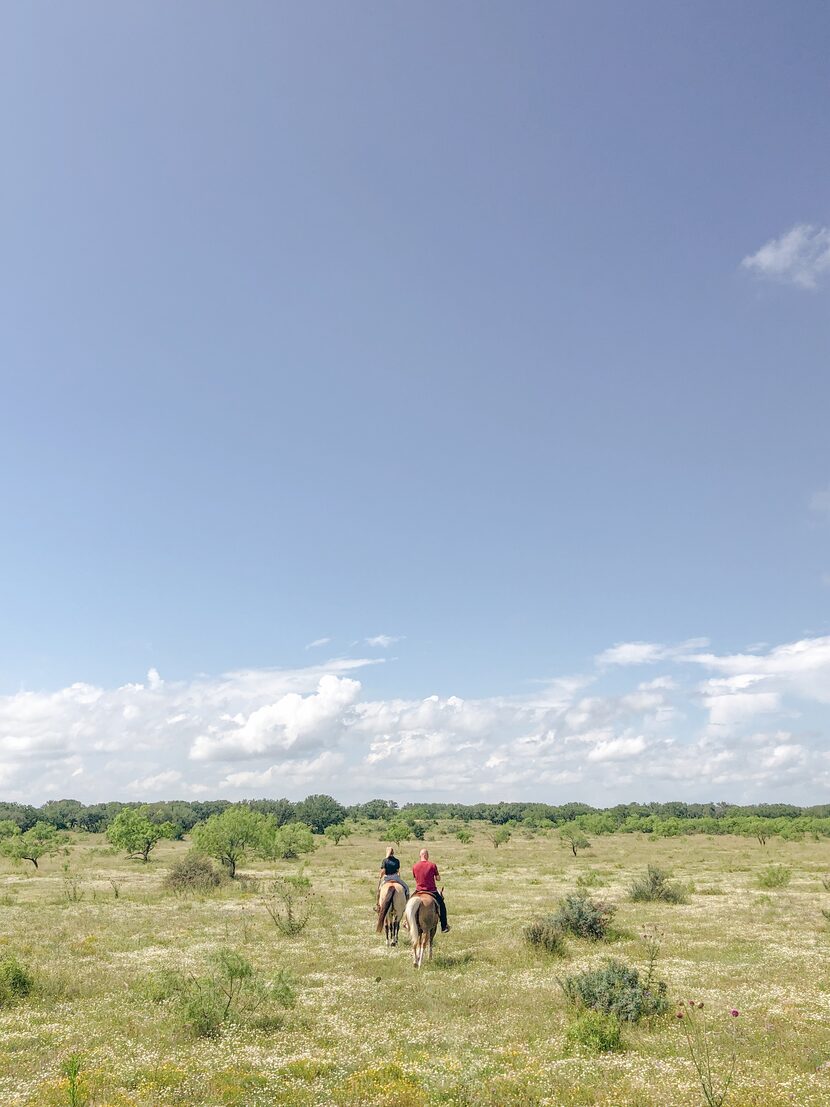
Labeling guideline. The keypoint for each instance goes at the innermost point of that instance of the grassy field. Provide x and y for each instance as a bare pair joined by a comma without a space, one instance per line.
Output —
484,1023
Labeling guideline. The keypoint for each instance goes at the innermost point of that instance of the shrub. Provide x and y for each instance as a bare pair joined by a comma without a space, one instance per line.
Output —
589,879
193,874
75,1091
656,887
775,876
616,989
545,933
464,836
825,882
73,891
595,1032
15,980
585,917
232,992
289,901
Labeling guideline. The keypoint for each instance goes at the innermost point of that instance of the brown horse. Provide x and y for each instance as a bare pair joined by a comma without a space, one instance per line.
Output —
421,919
390,908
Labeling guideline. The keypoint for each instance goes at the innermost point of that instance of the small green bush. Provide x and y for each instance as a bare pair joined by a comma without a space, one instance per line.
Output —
591,878
584,917
775,876
289,900
545,934
231,992
616,989
656,887
16,982
594,1032
193,874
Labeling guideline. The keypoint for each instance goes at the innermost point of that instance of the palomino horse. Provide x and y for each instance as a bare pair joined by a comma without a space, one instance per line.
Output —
421,919
390,909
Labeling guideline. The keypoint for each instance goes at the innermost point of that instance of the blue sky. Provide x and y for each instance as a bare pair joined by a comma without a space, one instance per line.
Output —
500,332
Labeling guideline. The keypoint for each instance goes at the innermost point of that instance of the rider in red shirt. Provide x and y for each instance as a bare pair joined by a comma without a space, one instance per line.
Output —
426,873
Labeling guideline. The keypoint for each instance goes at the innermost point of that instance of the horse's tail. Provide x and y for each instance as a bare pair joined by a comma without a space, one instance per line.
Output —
413,909
383,909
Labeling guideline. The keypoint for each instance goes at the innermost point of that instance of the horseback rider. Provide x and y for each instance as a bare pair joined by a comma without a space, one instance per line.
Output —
426,873
390,870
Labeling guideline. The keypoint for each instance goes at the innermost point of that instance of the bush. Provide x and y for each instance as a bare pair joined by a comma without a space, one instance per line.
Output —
289,901
232,992
776,876
616,989
193,874
594,1032
825,882
656,887
546,934
585,917
589,879
15,980
289,841
464,836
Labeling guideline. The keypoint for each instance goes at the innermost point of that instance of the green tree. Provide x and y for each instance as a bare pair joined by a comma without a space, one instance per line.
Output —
571,835
498,835
132,831
40,840
233,834
337,831
319,811
287,842
64,814
397,832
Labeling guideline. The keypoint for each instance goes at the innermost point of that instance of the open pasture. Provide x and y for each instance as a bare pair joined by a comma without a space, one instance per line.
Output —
484,1024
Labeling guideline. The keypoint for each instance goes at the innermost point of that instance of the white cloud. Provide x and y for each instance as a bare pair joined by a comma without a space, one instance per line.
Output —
617,749
645,653
291,721
632,653
800,257
318,642
383,640
316,729
820,501
159,782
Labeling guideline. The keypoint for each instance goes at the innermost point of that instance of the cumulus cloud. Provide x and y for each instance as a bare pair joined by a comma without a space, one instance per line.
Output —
801,256
742,726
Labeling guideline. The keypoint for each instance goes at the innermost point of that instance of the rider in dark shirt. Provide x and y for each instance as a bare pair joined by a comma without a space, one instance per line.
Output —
390,869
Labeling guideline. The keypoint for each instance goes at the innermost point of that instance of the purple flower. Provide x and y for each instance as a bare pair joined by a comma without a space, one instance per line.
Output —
734,1012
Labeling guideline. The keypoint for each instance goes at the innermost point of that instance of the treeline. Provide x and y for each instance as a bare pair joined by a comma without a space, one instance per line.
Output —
319,811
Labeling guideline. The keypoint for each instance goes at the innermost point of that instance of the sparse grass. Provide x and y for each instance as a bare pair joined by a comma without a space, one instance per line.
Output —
486,1021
